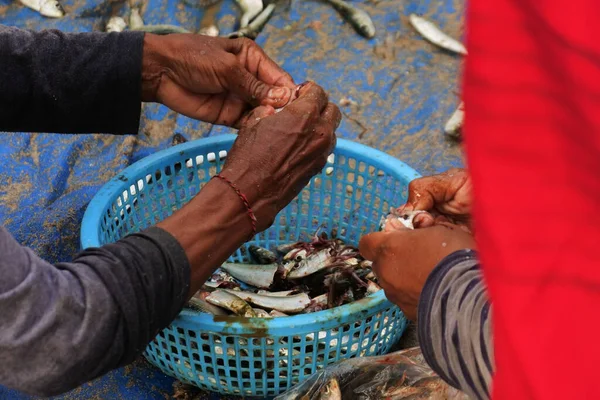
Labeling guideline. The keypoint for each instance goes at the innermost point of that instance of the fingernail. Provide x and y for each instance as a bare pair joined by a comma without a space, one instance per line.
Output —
278,93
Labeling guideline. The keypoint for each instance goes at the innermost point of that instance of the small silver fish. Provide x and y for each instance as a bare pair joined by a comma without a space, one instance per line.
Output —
286,248
262,255
228,300
454,125
372,287
359,19
293,304
199,304
260,313
313,263
47,8
208,23
211,30
135,19
295,255
406,218
260,276
283,293
250,9
434,35
162,29
116,24
275,313
252,30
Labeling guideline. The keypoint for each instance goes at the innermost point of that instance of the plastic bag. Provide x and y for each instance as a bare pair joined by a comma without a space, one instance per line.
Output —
395,376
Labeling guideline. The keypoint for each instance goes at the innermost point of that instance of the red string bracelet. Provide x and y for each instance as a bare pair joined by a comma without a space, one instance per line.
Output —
244,200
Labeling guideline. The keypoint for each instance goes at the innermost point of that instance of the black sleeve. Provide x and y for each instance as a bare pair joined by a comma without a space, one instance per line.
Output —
52,81
65,324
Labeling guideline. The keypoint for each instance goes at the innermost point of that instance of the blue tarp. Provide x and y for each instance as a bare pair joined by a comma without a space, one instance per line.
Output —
403,87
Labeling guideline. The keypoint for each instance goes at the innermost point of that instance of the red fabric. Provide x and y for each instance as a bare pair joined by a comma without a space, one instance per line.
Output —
532,103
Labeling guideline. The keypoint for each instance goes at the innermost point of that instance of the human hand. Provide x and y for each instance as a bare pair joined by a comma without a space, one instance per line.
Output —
446,197
211,79
404,258
276,154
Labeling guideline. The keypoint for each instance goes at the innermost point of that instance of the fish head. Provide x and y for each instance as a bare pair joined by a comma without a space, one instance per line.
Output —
52,9
367,30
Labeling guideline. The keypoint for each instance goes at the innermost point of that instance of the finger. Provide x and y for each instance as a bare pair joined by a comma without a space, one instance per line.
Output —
267,70
370,245
332,116
393,224
213,108
256,92
423,220
254,116
425,193
311,102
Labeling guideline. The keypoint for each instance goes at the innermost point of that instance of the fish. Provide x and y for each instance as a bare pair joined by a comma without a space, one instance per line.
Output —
199,304
208,23
252,30
293,304
286,248
262,255
359,19
283,293
454,125
275,313
434,35
116,24
406,218
372,287
331,391
47,8
224,298
311,264
161,29
178,138
260,313
135,18
260,276
250,9
296,255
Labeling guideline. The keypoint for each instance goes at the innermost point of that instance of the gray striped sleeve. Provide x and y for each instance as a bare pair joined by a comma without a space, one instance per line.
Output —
454,326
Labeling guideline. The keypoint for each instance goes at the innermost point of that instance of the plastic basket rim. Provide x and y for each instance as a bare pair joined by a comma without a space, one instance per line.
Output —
90,236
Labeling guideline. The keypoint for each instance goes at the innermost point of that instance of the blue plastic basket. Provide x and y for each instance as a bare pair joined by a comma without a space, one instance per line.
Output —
261,357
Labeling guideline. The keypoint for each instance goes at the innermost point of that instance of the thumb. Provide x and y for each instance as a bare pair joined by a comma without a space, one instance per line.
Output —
257,92
371,245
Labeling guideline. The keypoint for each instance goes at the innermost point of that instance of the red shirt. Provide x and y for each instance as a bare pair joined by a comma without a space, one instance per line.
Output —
532,101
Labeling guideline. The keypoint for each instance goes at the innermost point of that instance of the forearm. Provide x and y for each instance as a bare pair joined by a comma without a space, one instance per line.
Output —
454,317
70,83
209,228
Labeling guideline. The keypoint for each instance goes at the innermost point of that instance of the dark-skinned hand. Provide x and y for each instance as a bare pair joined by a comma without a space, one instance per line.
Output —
446,197
215,80
276,154
404,258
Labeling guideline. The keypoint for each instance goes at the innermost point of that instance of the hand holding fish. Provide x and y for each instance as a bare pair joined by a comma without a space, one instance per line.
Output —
276,154
211,79
273,158
404,258
446,197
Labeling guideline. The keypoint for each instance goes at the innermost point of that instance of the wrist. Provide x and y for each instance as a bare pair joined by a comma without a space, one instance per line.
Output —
255,188
154,66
